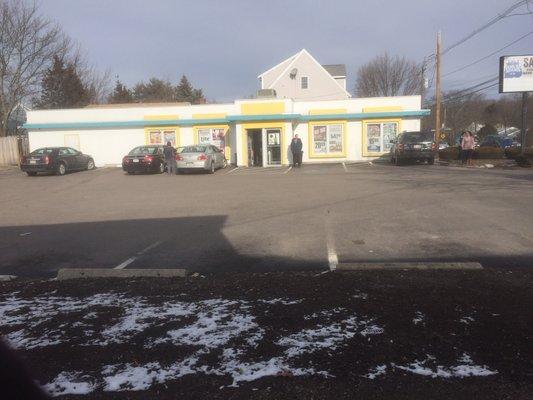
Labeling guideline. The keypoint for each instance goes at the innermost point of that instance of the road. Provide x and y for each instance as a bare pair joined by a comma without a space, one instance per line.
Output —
265,219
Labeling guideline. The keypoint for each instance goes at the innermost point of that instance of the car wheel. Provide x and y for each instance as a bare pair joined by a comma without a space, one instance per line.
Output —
161,168
212,168
90,164
225,163
61,169
431,161
31,173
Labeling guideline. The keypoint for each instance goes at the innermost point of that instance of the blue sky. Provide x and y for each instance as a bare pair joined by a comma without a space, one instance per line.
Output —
223,45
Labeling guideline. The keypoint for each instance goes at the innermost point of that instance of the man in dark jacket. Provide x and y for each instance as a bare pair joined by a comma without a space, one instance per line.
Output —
296,150
170,158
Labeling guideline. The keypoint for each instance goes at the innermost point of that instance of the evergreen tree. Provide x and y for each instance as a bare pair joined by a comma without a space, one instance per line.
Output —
156,90
186,92
121,94
62,87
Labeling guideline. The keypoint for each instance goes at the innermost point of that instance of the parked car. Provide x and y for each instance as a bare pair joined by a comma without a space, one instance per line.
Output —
201,158
145,159
491,141
413,146
58,160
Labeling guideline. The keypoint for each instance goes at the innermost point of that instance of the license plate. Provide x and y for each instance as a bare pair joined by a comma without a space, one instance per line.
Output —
135,160
189,163
33,162
417,146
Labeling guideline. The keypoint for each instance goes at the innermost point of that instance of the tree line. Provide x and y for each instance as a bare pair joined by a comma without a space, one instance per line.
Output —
40,65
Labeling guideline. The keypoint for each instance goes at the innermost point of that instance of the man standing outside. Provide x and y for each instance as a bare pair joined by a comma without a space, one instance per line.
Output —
170,158
296,150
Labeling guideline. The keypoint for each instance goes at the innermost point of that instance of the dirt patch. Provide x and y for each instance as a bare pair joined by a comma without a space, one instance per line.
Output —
417,334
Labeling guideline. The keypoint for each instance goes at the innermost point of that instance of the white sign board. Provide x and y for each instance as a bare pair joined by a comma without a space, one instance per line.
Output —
516,74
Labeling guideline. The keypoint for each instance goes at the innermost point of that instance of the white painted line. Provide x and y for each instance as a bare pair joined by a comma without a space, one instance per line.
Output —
124,264
365,266
232,170
344,166
287,170
333,260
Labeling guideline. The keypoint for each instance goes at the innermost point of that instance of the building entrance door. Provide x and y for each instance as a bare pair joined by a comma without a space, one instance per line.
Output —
255,148
273,146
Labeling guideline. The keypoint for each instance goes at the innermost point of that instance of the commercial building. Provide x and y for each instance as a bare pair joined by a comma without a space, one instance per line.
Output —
252,132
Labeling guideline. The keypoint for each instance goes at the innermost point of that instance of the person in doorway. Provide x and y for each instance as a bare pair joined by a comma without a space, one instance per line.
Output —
170,158
467,146
296,150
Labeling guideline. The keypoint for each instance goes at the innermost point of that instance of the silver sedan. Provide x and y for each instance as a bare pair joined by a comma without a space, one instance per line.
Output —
200,158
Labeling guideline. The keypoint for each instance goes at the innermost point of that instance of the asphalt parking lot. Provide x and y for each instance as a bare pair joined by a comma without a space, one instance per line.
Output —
265,219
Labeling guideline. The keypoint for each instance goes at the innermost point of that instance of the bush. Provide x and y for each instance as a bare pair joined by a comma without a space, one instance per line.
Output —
484,153
449,153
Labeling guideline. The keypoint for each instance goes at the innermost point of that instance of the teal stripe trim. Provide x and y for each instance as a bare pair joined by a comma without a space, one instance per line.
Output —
224,121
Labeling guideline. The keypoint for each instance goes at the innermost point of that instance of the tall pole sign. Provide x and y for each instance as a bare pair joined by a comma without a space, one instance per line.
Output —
516,76
437,92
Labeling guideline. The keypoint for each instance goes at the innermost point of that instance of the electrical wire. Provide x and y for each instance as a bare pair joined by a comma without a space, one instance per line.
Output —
447,100
489,55
497,18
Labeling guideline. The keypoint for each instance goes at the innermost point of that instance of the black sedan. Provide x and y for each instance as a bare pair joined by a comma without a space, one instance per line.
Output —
145,159
413,146
58,160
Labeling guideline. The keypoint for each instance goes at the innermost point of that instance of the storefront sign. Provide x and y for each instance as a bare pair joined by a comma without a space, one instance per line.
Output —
516,74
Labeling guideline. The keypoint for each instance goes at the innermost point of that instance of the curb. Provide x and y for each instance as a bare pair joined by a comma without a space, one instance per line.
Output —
86,273
409,266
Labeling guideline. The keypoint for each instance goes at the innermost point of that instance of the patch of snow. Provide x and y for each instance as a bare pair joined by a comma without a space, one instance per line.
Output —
69,383
285,302
419,318
379,370
467,320
360,295
465,368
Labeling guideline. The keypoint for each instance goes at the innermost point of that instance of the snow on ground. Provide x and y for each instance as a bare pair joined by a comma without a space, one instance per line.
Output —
224,327
419,318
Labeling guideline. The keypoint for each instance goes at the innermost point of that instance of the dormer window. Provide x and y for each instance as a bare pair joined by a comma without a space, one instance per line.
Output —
304,82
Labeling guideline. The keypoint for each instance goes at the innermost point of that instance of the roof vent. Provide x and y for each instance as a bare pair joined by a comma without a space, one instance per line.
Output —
266,94
293,73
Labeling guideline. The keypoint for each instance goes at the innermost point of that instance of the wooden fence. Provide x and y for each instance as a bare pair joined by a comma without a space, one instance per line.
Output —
11,148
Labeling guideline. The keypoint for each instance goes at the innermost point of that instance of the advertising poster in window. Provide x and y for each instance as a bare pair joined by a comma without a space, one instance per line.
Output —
319,139
335,138
390,130
169,136
155,137
204,136
217,138
373,138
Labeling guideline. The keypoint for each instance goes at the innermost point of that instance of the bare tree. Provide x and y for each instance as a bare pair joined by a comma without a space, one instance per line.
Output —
28,43
389,76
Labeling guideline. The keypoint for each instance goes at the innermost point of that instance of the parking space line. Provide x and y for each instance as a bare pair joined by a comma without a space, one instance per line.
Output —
127,262
232,170
344,166
333,260
287,170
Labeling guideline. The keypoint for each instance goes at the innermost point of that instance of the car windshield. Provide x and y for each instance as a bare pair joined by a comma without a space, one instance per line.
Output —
415,137
192,149
142,150
39,152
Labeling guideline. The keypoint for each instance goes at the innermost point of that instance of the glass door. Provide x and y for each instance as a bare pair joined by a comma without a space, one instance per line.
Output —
273,146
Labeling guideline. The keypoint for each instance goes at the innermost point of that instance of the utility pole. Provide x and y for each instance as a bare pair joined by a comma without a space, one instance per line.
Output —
437,94
524,123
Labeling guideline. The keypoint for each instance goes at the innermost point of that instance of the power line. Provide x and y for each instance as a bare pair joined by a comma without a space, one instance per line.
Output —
476,86
499,17
489,55
471,93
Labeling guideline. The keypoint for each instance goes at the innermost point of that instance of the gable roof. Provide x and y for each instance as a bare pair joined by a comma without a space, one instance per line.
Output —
294,59
336,70
287,60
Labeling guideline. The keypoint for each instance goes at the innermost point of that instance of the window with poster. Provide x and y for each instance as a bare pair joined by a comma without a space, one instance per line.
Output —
212,135
162,136
327,140
377,136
